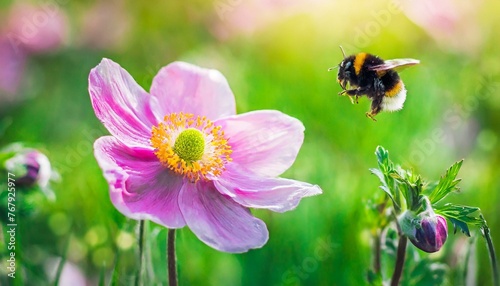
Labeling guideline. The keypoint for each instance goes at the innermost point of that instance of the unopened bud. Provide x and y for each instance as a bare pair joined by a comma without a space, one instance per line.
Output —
30,167
427,230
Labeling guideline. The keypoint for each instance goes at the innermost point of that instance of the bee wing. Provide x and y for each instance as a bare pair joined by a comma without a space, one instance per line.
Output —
397,64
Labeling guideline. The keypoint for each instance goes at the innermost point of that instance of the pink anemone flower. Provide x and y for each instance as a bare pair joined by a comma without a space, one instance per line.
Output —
180,155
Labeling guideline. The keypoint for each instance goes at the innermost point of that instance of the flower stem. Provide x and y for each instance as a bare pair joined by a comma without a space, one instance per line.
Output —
172,263
491,250
141,253
400,260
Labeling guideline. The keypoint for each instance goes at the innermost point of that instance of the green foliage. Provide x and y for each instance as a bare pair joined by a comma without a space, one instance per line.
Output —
385,174
419,196
460,216
447,184
396,181
410,185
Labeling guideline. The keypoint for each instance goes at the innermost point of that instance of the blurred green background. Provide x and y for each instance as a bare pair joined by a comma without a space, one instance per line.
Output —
275,55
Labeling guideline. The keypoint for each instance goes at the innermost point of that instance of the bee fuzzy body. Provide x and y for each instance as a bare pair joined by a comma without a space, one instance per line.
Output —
394,98
366,74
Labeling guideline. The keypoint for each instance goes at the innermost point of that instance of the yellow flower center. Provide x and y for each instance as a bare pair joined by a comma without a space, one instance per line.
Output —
191,146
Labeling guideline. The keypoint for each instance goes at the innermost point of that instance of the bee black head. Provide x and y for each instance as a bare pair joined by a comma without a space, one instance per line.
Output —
346,72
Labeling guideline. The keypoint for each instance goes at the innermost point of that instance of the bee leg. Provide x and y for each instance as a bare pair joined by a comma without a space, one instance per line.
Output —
371,115
354,99
345,91
376,107
353,94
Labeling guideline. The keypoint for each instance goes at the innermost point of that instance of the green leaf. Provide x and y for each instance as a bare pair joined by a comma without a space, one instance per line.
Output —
460,216
386,174
458,224
447,183
382,157
410,185
412,192
458,210
385,186
379,175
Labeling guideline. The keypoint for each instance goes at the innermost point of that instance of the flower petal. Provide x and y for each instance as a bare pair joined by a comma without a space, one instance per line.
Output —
121,104
140,187
220,222
183,87
264,142
276,194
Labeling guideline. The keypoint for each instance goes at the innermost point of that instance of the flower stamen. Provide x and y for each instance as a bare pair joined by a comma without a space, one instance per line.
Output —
191,146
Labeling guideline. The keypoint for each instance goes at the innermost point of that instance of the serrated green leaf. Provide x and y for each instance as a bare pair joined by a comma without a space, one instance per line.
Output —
447,183
457,210
460,216
458,224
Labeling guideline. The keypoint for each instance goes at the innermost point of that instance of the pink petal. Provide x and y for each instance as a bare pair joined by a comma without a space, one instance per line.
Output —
121,104
183,87
220,222
264,142
276,194
140,187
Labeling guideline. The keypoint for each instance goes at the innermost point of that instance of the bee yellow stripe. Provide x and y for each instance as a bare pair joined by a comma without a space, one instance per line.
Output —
394,90
358,62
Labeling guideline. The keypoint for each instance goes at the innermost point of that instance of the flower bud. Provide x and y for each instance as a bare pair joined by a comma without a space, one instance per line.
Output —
30,168
427,230
432,233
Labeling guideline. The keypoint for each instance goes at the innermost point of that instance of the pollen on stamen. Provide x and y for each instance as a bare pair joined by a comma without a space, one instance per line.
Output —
191,146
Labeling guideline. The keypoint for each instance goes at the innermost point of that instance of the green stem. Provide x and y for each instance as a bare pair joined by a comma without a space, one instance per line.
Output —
491,250
141,253
172,263
400,260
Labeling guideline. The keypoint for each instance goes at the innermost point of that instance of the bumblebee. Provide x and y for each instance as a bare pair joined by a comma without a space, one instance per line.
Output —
366,74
